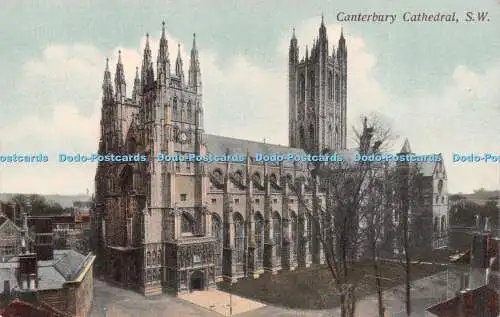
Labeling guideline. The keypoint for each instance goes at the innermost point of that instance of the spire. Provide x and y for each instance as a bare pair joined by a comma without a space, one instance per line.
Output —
163,61
147,75
194,67
406,149
107,86
120,84
342,50
137,86
178,63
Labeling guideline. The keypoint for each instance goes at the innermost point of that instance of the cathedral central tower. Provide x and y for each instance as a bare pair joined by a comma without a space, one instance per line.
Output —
318,95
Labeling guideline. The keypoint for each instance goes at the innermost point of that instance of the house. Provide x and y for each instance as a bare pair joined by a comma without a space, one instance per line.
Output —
479,269
42,281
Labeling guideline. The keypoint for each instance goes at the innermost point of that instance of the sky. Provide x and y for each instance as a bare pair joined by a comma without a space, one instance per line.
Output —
437,83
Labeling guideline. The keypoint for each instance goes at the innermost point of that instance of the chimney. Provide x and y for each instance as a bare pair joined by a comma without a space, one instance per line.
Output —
479,260
28,271
6,287
44,238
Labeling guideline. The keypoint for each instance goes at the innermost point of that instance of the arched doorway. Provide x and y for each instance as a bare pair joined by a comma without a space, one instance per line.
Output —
196,283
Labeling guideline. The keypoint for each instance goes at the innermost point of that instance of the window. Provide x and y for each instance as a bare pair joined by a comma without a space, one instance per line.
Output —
330,85
239,239
311,133
302,137
294,243
312,85
214,201
183,197
217,233
259,239
257,201
187,224
277,234
189,111
236,201
302,87
275,201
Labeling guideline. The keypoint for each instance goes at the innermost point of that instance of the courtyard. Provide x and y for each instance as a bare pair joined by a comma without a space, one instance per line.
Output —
313,288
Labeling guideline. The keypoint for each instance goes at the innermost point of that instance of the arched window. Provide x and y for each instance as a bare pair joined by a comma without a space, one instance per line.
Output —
257,179
312,85
302,87
259,240
174,108
217,233
436,224
330,85
148,258
440,186
153,259
187,224
302,136
443,224
189,111
277,234
294,241
239,239
309,229
311,132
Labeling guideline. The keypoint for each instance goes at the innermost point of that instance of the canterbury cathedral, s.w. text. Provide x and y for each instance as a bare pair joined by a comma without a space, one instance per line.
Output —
174,227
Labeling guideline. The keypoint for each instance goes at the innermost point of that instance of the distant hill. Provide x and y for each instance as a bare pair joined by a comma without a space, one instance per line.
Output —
64,200
480,196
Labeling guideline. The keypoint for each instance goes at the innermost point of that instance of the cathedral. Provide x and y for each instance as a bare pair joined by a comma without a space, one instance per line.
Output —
173,227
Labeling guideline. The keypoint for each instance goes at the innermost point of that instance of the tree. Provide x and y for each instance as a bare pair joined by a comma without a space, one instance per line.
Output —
39,205
341,224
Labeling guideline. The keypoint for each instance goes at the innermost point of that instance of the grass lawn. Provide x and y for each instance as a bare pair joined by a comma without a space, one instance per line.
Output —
313,288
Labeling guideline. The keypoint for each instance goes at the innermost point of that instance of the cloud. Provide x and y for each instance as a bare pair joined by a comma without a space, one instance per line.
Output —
241,99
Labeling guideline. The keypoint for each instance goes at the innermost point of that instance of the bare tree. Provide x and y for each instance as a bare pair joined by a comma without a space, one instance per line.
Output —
347,187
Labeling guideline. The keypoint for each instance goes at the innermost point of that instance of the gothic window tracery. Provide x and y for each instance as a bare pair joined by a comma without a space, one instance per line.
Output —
277,234
302,87
330,85
273,179
312,85
148,258
217,178
153,258
217,233
257,180
238,177
189,111
259,239
311,133
302,137
294,238
174,108
239,238
309,228
187,224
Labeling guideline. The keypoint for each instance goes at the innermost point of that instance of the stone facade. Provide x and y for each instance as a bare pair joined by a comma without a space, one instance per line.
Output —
173,227
177,226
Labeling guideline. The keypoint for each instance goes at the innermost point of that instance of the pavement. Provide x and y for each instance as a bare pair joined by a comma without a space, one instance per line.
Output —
221,302
117,302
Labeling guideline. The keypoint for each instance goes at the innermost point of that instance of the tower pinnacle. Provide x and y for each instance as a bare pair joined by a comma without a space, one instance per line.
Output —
178,63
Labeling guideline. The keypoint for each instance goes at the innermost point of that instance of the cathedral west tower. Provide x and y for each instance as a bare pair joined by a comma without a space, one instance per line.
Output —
318,95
